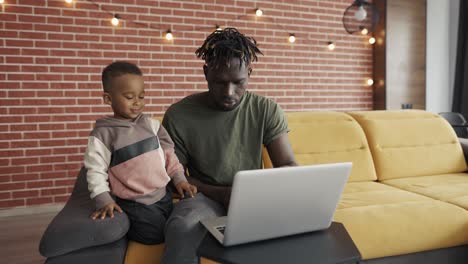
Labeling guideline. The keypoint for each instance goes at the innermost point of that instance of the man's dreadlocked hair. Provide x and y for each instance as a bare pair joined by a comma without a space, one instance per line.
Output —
223,45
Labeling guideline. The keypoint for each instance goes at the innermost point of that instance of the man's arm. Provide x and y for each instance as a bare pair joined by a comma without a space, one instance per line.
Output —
220,194
281,155
280,152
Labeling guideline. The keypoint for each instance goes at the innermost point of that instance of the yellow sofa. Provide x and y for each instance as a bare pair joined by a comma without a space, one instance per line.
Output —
406,200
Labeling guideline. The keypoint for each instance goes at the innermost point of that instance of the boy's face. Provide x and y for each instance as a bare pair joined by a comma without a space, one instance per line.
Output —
126,96
227,84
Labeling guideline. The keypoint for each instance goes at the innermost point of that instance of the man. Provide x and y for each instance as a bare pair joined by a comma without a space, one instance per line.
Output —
217,133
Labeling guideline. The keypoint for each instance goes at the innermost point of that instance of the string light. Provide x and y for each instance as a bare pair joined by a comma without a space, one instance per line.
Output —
360,14
258,12
370,82
364,31
371,40
115,20
169,35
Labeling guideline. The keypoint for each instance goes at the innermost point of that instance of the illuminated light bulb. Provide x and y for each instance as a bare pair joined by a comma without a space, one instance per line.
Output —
68,1
169,35
292,38
364,31
331,45
370,82
360,14
2,1
371,40
115,20
258,12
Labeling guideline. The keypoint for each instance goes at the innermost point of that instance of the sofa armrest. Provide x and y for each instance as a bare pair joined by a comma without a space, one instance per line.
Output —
109,253
464,145
72,229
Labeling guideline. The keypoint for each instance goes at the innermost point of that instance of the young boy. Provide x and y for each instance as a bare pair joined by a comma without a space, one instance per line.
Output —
131,156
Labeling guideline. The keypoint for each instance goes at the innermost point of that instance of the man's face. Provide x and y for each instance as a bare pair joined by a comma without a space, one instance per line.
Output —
227,84
126,96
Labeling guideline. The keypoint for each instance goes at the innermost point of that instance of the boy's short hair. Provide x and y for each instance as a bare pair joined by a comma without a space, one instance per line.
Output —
117,69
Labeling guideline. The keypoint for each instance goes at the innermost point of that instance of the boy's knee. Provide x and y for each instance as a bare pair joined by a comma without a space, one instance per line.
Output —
148,232
147,236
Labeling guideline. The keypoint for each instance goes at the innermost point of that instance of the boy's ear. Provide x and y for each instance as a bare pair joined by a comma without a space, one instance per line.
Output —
107,98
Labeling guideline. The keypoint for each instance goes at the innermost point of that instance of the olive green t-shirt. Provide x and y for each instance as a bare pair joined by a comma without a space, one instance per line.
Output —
215,144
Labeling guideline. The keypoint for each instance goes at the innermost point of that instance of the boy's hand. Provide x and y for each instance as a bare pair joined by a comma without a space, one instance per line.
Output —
185,186
108,209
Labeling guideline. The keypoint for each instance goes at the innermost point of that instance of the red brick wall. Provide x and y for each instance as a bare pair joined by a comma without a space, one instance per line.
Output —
52,54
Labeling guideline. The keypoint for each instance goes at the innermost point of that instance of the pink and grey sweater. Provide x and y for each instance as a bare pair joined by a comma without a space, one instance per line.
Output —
133,160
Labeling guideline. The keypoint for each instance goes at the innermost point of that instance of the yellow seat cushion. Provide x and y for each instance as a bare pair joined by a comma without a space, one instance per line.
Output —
357,194
139,254
451,188
411,143
330,137
385,221
149,254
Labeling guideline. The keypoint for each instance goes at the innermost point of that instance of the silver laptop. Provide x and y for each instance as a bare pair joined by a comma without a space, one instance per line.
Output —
279,202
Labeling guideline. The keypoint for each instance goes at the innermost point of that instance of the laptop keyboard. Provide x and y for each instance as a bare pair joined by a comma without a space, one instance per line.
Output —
221,229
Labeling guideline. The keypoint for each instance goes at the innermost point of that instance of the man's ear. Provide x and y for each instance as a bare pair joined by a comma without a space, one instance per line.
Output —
205,71
107,98
250,71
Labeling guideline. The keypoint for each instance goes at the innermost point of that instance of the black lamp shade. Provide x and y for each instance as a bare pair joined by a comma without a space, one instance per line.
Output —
360,16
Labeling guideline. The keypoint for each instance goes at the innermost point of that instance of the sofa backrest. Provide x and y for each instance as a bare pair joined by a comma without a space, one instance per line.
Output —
410,143
329,137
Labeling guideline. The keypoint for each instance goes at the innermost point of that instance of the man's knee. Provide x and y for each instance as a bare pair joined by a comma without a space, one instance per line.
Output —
186,216
181,223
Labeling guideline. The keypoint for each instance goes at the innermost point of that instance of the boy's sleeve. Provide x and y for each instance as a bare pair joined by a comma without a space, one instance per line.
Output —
97,159
174,169
276,124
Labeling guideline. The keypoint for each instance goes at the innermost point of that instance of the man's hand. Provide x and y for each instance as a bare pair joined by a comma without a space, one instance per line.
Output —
185,186
108,209
227,197
220,194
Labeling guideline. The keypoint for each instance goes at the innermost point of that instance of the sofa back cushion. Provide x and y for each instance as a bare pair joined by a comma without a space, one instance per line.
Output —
329,137
410,143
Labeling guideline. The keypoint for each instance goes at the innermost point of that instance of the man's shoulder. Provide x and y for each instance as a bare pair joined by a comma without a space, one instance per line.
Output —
189,101
254,97
260,102
182,112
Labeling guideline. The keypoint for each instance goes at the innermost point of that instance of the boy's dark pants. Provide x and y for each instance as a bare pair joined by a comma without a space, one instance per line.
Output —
147,222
